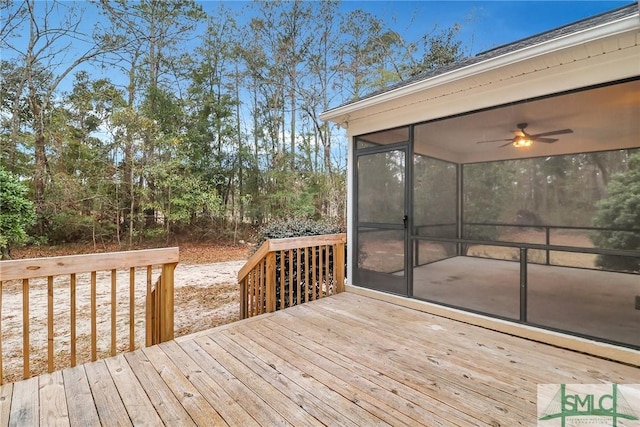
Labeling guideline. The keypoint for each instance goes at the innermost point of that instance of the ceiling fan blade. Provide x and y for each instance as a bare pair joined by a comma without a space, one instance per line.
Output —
545,140
553,132
504,145
494,140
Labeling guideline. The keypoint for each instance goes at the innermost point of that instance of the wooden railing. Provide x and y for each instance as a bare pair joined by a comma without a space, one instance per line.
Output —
104,287
287,272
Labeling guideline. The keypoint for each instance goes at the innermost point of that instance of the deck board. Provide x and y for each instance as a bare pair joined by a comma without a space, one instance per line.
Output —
219,399
345,360
135,399
160,396
6,393
80,404
111,409
25,404
186,392
53,403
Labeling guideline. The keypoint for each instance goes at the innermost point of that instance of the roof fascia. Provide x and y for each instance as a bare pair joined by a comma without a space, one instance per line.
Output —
609,29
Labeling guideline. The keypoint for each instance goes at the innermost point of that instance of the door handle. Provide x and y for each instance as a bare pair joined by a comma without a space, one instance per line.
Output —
405,220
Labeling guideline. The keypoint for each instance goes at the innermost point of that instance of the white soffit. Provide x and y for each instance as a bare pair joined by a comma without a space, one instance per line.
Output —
520,62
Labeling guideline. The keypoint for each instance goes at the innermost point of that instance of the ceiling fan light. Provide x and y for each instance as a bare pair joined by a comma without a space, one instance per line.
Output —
522,141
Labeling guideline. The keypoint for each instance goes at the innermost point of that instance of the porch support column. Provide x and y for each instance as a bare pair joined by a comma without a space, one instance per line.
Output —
459,209
523,284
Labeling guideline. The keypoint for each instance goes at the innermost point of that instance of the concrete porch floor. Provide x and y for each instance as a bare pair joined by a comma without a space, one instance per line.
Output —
589,302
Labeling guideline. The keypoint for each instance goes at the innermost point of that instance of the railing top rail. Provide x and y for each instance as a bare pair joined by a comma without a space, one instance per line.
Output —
53,266
287,243
306,241
514,225
534,246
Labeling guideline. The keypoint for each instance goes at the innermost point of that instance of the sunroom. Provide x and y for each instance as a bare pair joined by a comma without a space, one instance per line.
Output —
497,191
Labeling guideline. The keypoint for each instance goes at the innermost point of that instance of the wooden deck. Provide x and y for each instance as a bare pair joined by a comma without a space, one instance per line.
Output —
345,360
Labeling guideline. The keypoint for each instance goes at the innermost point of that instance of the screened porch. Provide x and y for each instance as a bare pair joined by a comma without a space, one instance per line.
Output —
464,212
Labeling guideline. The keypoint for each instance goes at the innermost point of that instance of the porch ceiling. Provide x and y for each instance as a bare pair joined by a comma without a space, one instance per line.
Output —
601,119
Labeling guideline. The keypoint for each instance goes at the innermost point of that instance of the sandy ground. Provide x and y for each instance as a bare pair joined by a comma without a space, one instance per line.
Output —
206,295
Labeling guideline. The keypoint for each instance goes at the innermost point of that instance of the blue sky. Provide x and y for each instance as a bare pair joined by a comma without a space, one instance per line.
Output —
485,24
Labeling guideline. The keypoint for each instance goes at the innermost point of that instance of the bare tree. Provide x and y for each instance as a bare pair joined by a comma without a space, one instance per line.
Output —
56,44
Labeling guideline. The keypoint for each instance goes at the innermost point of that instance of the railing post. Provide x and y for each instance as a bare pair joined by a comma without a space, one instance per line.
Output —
243,298
165,300
523,284
271,282
152,316
547,240
338,265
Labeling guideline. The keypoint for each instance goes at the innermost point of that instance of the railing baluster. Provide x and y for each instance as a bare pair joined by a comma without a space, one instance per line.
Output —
314,273
249,293
263,287
50,324
1,367
306,274
320,271
94,315
290,278
260,288
132,308
113,312
327,266
25,328
72,288
148,312
299,276
256,289
282,280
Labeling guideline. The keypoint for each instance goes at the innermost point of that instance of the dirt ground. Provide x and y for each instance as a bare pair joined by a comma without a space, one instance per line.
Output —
206,295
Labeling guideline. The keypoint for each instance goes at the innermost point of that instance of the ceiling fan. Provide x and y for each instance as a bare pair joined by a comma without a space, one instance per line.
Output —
524,139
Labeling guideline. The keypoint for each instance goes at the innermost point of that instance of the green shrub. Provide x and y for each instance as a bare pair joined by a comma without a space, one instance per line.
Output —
296,227
16,212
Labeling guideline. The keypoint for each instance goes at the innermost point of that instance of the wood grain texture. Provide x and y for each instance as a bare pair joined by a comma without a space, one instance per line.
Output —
135,399
273,245
160,396
62,265
26,370
345,360
108,402
200,410
6,394
53,404
1,363
25,404
80,405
